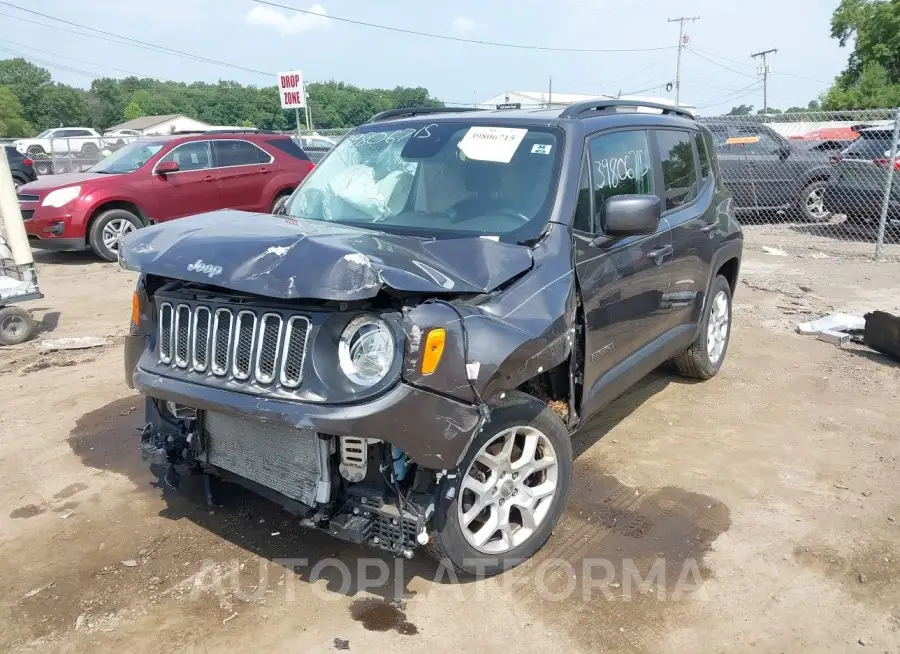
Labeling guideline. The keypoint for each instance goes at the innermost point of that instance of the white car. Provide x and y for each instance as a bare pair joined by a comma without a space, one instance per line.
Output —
81,141
116,138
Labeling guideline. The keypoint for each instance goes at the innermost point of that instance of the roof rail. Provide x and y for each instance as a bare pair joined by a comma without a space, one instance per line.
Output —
596,106
220,130
409,112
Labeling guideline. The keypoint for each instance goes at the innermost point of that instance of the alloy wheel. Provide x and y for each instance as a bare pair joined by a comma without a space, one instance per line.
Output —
113,232
815,203
717,329
508,489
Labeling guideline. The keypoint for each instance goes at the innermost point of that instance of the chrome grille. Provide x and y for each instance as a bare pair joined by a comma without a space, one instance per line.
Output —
245,345
294,351
165,332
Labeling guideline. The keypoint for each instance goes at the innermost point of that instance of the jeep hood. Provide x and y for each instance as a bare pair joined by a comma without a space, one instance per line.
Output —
284,257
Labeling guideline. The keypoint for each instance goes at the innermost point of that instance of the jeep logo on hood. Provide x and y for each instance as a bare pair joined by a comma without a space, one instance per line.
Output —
205,268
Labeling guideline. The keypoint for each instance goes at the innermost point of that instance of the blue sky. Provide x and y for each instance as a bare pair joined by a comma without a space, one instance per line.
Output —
272,40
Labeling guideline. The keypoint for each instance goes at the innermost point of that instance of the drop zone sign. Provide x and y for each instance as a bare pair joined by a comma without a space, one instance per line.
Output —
290,88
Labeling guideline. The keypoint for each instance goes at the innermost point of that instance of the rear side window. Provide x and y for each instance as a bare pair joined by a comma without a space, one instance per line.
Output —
289,146
679,173
238,153
620,165
870,145
12,154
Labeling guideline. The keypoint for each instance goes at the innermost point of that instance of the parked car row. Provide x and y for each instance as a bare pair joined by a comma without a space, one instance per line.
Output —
807,179
155,179
21,166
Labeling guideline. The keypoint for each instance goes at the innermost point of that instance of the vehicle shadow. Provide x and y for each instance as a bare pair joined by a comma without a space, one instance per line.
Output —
67,258
597,427
107,439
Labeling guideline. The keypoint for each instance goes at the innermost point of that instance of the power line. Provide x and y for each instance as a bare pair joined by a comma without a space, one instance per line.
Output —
736,95
716,63
744,63
52,64
58,56
127,40
457,39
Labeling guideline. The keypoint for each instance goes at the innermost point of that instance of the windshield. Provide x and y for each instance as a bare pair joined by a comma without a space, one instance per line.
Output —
444,180
44,134
128,158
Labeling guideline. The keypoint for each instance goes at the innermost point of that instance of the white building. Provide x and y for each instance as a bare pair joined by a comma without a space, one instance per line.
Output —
544,99
161,125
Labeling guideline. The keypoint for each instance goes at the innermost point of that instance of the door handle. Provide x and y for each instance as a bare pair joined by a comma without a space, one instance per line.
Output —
208,178
659,253
264,171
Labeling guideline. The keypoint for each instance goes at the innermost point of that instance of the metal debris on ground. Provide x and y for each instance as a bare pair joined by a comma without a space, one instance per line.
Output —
834,337
774,251
341,644
839,322
80,343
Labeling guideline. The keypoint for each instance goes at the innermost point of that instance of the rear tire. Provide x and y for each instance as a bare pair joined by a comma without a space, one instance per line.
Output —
16,325
524,493
90,151
811,203
108,228
35,151
703,359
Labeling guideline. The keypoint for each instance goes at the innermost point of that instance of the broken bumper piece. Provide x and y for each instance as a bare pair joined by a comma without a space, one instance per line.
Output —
432,429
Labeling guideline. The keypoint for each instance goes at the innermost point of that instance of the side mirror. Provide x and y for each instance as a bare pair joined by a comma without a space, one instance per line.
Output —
630,215
167,167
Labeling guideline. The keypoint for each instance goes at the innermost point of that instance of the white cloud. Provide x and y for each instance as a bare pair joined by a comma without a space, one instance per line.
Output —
288,23
464,24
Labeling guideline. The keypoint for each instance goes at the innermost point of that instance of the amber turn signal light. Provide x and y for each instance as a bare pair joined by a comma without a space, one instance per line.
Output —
434,348
135,309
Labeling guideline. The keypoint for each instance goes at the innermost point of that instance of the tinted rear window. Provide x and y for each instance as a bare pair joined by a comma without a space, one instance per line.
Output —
12,154
870,145
288,146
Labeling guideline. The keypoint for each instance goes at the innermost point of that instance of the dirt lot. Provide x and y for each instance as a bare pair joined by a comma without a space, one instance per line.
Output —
769,495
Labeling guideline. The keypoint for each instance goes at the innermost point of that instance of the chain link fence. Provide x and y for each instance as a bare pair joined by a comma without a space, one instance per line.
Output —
821,180
54,155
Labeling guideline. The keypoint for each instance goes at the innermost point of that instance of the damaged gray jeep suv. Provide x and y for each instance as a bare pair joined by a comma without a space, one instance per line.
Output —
401,355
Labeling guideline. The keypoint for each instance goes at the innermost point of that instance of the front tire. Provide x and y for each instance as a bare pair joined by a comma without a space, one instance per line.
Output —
280,202
703,359
108,229
509,493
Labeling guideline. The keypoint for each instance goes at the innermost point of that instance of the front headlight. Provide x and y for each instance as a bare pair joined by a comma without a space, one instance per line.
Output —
61,196
366,351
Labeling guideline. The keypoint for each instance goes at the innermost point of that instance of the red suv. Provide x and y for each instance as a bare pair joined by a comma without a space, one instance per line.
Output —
155,179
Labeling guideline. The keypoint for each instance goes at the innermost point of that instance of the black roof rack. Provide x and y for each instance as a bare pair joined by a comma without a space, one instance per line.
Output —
596,106
409,112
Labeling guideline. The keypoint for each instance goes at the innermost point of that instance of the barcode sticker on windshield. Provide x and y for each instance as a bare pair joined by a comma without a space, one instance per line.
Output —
492,143
541,148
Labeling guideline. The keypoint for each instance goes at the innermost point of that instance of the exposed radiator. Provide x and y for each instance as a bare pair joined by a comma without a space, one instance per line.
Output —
293,462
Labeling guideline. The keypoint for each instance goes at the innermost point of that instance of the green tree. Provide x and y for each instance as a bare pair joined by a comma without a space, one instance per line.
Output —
132,111
873,68
741,110
27,82
12,124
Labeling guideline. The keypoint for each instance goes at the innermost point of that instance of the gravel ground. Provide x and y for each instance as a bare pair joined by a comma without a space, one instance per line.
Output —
758,511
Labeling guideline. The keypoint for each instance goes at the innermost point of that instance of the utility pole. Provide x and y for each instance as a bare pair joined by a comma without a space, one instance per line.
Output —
764,70
681,41
550,93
